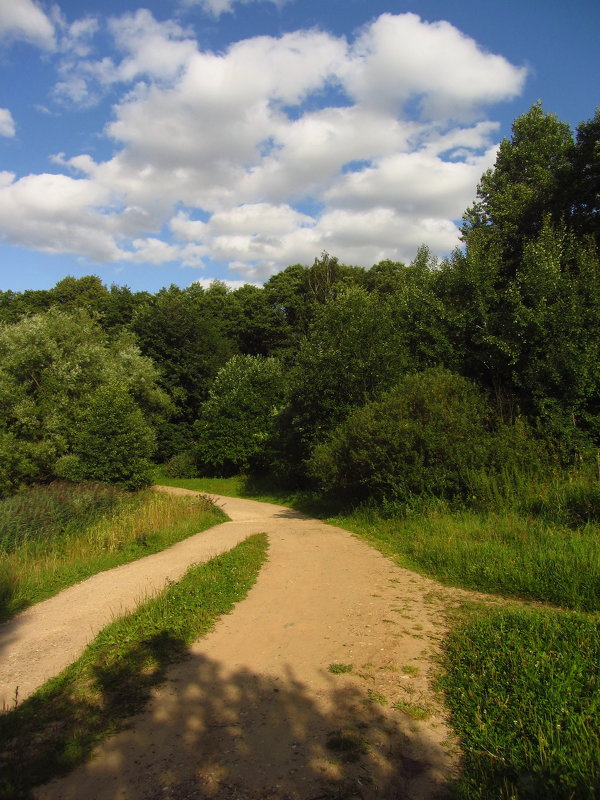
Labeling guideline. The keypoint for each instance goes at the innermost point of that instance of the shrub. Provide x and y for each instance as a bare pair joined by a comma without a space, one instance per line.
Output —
237,422
183,465
113,442
423,436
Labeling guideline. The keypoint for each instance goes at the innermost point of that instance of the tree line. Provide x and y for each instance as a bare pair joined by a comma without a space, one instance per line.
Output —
383,382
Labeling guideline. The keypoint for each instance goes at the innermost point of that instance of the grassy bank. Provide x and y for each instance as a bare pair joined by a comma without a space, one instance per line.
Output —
506,553
523,690
57,727
54,536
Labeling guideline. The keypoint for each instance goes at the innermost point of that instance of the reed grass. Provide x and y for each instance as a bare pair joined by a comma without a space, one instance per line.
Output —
52,512
57,548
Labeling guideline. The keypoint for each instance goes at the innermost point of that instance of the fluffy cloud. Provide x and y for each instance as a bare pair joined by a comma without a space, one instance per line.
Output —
274,150
23,19
399,57
7,123
149,49
57,214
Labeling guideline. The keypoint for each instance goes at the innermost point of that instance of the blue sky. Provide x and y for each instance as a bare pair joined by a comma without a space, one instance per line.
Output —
181,140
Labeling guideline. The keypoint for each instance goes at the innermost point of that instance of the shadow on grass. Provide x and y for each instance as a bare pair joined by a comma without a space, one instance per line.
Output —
310,502
57,727
218,734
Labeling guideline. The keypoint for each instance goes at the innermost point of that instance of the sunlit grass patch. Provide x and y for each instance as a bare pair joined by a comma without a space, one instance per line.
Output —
340,669
524,694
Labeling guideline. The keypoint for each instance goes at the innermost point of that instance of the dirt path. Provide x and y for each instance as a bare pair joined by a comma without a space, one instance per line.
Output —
255,712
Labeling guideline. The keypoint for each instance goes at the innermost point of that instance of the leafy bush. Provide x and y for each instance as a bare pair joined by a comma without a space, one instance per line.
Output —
50,364
183,465
113,442
422,437
237,421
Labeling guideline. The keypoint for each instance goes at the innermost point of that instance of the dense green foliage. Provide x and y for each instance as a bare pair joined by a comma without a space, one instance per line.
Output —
424,436
112,442
237,423
515,311
50,366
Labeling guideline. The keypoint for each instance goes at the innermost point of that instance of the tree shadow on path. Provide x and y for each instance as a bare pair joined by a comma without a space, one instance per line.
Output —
236,735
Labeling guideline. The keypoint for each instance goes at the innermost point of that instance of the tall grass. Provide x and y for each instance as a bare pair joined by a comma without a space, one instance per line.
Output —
503,553
45,513
62,534
571,499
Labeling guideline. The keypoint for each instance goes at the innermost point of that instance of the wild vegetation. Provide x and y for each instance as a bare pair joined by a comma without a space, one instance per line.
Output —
54,536
446,410
523,691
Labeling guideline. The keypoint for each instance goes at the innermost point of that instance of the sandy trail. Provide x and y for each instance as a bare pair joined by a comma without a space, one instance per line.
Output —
254,712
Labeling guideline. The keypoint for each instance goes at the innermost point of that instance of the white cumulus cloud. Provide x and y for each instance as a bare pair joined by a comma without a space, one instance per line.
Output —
401,57
271,151
25,20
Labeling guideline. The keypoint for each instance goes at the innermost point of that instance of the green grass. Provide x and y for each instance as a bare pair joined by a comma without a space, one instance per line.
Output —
407,669
62,534
506,554
523,689
55,511
230,487
57,727
416,711
377,698
340,669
